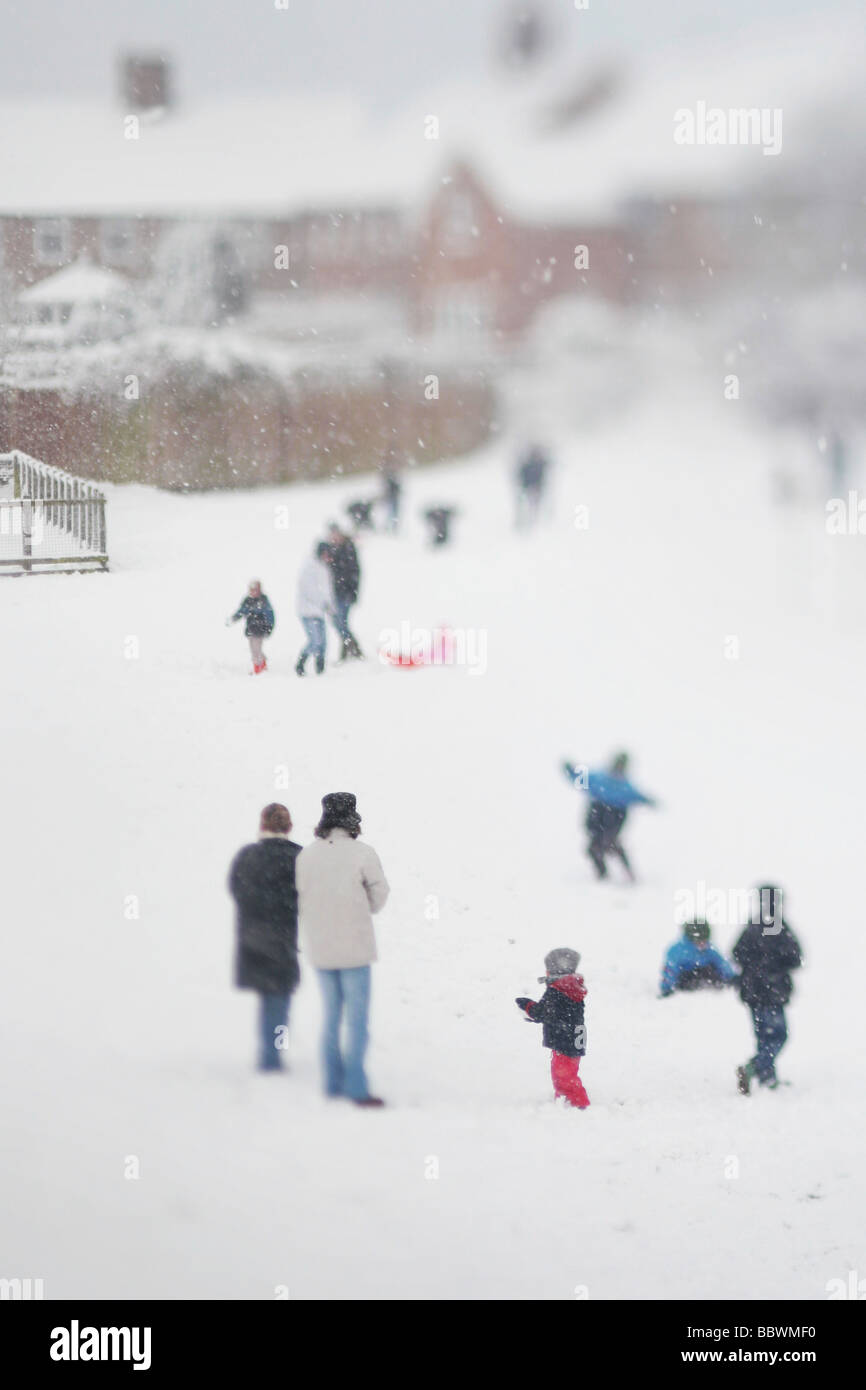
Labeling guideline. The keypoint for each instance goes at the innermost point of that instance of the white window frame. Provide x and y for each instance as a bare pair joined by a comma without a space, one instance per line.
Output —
58,225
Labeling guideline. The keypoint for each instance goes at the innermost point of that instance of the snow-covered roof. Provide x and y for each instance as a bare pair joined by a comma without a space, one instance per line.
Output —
265,155
540,165
79,283
544,149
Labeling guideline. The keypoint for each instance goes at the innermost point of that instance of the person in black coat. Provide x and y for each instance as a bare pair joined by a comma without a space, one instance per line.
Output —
257,610
262,883
766,953
531,479
439,519
393,492
560,1011
346,579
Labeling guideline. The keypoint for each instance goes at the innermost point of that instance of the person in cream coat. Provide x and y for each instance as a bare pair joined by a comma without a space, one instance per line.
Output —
341,884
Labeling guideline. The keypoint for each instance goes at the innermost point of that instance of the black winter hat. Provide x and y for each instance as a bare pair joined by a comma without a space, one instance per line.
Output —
698,930
339,812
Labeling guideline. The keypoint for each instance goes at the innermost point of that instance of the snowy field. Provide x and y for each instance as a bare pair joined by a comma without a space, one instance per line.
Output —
138,753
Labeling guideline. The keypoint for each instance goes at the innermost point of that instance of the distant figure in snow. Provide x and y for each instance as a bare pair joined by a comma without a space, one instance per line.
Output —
610,796
393,491
439,519
314,602
531,481
362,514
346,581
560,1010
766,953
341,884
694,963
259,614
262,883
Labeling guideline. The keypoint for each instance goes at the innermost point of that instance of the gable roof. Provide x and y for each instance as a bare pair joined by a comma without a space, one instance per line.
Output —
79,283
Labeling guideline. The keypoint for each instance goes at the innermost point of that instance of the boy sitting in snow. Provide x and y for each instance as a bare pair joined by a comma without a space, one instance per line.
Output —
560,1010
693,962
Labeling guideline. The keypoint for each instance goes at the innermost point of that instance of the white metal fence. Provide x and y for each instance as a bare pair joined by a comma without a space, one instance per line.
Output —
49,520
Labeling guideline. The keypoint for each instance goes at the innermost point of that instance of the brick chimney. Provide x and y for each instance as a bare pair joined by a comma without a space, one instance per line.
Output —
145,80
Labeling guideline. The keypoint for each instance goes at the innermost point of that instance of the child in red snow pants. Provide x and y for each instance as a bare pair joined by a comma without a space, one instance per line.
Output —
560,1010
567,1085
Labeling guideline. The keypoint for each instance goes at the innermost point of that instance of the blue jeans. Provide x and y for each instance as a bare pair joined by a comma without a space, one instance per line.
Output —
316,639
345,991
273,1014
771,1035
341,618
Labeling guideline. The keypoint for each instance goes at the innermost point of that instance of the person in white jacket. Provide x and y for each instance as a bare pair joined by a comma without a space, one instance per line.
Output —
341,884
314,603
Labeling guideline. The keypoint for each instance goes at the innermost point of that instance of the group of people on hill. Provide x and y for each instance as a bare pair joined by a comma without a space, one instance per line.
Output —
362,509
328,586
766,951
331,889
335,884
439,517
329,580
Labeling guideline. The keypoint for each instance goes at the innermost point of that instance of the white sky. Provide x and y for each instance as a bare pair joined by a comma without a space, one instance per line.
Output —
380,49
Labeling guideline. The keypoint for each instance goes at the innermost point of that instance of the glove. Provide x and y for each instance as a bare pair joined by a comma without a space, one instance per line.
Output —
665,994
569,770
522,1003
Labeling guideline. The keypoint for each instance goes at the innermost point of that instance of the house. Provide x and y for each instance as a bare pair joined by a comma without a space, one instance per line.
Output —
319,201
82,303
459,215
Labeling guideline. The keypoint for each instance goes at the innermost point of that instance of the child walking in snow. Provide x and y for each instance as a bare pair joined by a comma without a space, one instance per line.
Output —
560,1010
259,614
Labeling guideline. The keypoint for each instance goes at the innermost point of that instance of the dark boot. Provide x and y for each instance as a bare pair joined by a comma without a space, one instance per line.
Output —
320,664
355,650
345,650
371,1103
299,669
617,849
596,854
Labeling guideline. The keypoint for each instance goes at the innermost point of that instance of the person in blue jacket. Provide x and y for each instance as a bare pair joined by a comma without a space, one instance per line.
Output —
610,796
694,963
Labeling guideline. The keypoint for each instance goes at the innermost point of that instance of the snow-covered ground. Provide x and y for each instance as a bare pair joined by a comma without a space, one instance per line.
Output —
138,753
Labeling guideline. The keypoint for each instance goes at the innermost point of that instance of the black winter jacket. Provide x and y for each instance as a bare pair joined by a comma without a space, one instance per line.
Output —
765,959
560,1010
259,615
346,570
262,883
